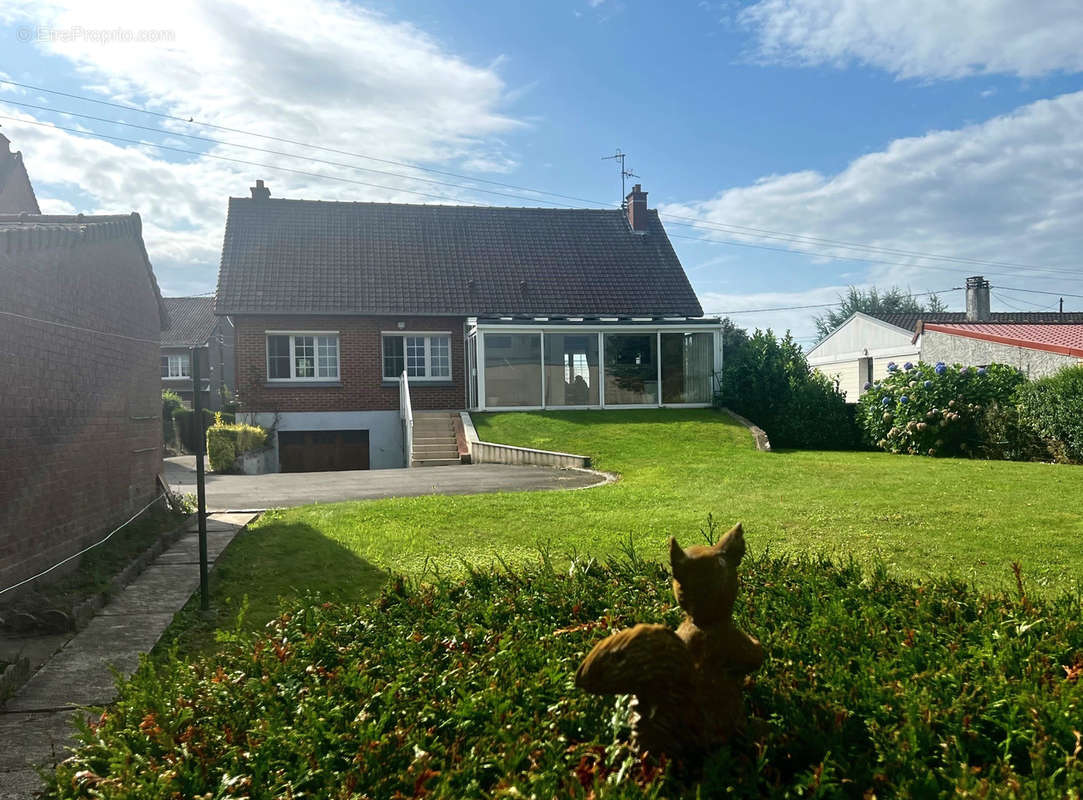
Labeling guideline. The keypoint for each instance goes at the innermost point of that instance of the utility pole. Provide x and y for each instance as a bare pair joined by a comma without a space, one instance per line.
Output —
624,173
1062,305
201,488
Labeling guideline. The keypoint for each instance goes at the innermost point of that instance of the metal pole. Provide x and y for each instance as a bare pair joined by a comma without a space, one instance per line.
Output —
201,489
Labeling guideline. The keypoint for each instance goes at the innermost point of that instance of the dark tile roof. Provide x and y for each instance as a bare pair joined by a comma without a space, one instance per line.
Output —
302,256
910,321
191,321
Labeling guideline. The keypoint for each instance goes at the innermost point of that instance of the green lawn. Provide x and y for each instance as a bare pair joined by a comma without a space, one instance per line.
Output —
918,516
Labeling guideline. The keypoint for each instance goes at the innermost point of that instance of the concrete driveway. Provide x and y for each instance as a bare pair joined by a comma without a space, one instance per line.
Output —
282,490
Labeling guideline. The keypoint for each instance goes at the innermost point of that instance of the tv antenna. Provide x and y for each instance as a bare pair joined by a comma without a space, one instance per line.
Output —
624,173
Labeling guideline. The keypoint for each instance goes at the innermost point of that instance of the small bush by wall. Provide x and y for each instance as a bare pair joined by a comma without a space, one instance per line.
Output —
935,409
1053,408
184,420
171,401
226,441
768,380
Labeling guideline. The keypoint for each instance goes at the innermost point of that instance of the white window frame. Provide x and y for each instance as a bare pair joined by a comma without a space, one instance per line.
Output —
293,356
427,336
184,362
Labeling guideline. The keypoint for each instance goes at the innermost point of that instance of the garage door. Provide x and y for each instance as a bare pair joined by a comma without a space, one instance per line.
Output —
322,451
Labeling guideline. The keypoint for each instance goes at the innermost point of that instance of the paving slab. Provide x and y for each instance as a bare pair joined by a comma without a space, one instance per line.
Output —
82,673
35,726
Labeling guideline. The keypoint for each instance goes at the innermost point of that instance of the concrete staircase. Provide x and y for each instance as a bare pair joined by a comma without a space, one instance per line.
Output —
434,439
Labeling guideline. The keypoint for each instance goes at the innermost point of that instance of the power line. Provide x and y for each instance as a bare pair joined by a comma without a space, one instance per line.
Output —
1037,291
232,160
689,221
1010,304
805,238
677,219
831,256
817,305
283,140
273,152
796,239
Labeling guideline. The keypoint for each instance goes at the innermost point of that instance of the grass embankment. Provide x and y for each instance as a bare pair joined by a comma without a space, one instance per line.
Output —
917,516
872,687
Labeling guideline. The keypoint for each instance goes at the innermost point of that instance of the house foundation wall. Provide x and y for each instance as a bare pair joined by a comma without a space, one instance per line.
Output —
384,427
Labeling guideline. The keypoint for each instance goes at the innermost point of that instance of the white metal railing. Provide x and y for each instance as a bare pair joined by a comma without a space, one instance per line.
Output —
406,414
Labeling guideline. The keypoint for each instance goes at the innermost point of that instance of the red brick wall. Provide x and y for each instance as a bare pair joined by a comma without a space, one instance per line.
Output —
71,400
360,366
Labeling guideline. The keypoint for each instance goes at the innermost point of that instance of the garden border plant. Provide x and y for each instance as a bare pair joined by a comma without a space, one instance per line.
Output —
935,410
463,688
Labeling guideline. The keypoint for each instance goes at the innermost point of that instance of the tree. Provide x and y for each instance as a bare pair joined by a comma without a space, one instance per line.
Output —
893,301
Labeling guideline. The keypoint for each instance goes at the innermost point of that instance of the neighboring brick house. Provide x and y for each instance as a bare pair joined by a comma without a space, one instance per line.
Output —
859,350
80,319
194,330
16,192
483,308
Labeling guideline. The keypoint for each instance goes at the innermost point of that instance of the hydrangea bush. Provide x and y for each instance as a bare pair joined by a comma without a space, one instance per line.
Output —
933,409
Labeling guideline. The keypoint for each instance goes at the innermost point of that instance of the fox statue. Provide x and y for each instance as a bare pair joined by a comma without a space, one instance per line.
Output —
686,685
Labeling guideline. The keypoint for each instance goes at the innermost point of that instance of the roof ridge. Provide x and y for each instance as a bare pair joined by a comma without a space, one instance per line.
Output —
25,217
423,205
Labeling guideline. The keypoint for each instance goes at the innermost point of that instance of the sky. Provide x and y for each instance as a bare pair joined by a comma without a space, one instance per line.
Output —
793,147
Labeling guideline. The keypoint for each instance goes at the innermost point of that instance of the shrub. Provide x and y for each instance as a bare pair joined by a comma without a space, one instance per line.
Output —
184,422
1053,408
171,401
931,409
226,441
872,687
769,381
1002,435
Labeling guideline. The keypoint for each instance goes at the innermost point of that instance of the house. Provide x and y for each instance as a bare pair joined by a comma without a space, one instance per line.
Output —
480,308
1037,348
194,330
80,320
859,350
16,192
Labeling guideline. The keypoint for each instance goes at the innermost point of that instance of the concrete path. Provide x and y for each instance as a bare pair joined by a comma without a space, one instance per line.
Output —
34,724
282,490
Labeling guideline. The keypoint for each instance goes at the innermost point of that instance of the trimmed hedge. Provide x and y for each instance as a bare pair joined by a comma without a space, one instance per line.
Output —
768,380
185,421
227,441
1053,408
872,687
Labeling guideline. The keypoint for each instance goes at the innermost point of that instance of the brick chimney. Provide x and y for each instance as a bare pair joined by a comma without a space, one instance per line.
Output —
260,192
636,204
977,299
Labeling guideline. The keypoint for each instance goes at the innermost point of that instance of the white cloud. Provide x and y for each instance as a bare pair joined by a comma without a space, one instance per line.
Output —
319,71
922,38
1006,190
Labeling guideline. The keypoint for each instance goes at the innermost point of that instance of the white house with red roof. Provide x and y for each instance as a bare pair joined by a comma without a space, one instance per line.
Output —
1038,349
858,352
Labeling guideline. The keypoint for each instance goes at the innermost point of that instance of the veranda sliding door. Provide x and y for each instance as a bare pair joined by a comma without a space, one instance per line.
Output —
513,370
687,363
631,369
571,369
